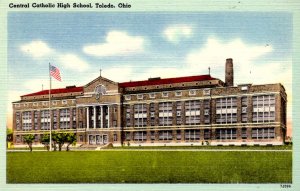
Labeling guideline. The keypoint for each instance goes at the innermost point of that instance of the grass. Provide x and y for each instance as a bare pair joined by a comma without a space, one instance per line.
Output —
149,167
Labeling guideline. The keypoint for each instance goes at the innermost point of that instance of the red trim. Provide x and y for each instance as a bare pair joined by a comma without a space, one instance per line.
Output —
56,91
166,81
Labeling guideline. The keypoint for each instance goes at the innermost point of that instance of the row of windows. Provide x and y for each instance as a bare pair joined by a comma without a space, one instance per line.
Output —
226,112
263,108
29,123
195,135
166,94
44,103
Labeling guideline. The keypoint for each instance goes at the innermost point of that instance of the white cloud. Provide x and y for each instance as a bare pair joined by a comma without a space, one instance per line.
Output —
176,33
73,62
214,53
36,49
39,49
117,43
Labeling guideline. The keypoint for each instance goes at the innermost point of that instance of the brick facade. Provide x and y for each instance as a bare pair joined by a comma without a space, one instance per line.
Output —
190,110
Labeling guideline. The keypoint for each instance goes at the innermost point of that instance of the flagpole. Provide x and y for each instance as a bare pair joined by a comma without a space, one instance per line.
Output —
50,109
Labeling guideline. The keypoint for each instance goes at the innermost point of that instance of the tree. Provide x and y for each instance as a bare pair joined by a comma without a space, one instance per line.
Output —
28,139
45,140
54,140
71,140
60,139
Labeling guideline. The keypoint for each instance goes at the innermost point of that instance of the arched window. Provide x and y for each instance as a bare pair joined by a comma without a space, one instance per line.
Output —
100,90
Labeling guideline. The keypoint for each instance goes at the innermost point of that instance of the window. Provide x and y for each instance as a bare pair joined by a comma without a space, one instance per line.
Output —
45,120
17,105
140,96
64,115
192,92
206,92
206,104
207,134
128,116
115,137
192,135
36,116
206,111
165,135
44,103
244,133
140,115
127,97
127,136
244,110
152,95
35,104
64,102
226,110
99,90
165,114
192,112
140,136
263,108
165,94
54,102
178,135
178,93
152,114
26,121
152,135
54,113
225,134
18,121
74,118
178,113
263,133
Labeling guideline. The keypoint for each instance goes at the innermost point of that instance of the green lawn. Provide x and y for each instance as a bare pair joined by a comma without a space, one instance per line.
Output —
149,167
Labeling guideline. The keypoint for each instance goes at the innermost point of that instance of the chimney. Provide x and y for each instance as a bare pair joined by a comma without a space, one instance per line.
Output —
229,72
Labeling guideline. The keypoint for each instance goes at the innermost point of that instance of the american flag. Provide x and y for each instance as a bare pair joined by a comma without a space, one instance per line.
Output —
55,72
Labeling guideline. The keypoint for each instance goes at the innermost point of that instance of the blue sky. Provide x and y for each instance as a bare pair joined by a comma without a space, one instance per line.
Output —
135,46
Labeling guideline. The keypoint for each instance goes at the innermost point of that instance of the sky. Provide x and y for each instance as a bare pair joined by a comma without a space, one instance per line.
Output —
135,46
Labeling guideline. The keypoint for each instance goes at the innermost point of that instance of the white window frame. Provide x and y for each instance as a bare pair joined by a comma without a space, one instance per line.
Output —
127,97
192,92
152,95
139,96
206,92
178,93
165,94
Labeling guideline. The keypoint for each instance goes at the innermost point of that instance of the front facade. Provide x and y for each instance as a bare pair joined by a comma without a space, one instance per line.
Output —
193,110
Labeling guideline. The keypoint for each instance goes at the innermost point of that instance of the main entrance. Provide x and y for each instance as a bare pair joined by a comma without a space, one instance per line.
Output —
98,139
